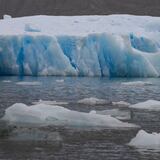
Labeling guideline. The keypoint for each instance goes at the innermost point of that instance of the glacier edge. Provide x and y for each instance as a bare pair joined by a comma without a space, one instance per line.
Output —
99,54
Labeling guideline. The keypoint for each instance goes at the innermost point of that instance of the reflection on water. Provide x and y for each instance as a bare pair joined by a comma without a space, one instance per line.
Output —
77,143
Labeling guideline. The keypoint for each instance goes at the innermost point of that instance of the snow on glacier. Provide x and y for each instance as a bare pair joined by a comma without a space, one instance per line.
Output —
44,115
114,46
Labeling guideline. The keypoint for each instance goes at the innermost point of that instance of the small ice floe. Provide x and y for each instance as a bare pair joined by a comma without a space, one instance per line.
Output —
49,102
121,115
7,16
121,104
93,101
29,83
146,140
32,28
43,115
151,105
60,80
6,81
136,83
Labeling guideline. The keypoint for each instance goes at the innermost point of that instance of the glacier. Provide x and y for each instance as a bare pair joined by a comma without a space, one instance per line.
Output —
111,46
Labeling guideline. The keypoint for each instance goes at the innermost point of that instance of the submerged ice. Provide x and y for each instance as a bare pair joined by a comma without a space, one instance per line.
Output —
44,115
114,46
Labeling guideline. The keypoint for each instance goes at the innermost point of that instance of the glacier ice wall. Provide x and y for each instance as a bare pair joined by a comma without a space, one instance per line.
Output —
100,54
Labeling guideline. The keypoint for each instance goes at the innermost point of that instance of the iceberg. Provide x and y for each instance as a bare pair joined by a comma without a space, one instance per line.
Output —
45,115
50,102
34,83
6,81
137,83
119,114
112,46
121,104
151,105
7,16
146,140
93,101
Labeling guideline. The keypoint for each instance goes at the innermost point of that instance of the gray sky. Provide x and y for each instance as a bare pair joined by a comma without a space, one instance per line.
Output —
79,7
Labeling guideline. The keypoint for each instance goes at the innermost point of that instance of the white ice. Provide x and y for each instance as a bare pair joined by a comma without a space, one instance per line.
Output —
113,46
50,102
6,81
151,105
119,114
7,16
136,83
29,83
146,140
93,101
31,28
44,115
60,80
121,104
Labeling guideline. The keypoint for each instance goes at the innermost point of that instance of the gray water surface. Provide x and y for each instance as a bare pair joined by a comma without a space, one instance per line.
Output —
66,143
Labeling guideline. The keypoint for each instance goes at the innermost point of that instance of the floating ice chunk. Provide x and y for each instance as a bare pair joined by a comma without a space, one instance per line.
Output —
93,112
137,83
29,83
93,101
119,114
31,28
7,16
121,104
6,81
151,105
144,139
50,102
44,115
60,80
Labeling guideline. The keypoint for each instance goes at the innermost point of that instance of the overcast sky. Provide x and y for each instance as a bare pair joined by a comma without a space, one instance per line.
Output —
79,7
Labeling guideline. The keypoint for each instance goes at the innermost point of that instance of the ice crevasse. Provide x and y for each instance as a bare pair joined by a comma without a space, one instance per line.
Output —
113,46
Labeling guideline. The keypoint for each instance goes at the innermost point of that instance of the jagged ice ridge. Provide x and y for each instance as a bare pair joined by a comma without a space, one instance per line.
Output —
113,46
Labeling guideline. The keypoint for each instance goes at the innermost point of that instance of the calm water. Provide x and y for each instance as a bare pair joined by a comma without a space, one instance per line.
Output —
77,143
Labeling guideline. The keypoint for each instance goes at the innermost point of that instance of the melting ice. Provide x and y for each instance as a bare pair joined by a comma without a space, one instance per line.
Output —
44,115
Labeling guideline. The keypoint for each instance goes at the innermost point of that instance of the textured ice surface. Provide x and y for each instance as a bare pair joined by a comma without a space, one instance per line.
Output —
60,80
29,83
114,46
119,114
93,101
42,114
31,28
144,139
6,81
7,16
136,83
121,104
49,102
151,105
